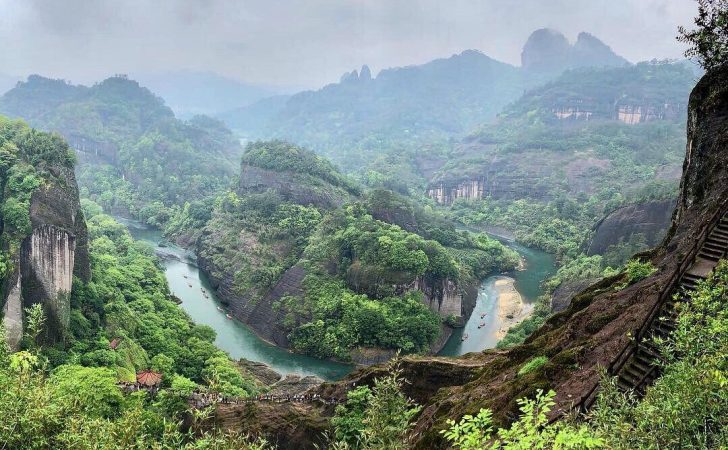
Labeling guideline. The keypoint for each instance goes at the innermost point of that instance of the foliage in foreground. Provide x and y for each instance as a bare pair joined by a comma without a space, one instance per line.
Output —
532,430
76,407
686,408
709,41
377,418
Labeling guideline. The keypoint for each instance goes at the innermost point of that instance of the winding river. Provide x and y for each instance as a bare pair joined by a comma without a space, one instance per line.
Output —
199,300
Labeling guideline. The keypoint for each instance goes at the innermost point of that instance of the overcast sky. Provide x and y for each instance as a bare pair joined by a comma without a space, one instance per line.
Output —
308,42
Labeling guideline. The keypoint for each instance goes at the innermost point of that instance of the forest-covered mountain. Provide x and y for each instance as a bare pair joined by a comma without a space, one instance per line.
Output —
407,106
135,157
585,144
312,263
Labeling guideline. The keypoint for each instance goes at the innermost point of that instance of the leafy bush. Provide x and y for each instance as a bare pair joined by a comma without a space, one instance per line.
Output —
531,430
637,270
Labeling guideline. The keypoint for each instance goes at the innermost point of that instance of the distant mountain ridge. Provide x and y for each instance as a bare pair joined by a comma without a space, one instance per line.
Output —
136,158
189,93
437,100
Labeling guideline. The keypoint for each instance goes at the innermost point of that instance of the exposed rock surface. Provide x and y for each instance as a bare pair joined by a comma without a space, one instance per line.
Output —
579,341
650,219
290,187
260,371
562,296
258,313
55,251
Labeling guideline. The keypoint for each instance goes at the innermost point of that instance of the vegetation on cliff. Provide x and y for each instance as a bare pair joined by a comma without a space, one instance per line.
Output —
362,259
29,159
135,157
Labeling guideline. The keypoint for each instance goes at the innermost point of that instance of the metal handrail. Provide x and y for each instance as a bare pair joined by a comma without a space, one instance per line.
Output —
588,399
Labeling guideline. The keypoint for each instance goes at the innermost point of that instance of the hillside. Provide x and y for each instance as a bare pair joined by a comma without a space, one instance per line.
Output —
43,237
135,157
311,263
606,325
566,154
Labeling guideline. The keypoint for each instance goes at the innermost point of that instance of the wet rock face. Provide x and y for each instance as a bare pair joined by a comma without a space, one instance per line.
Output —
12,313
651,219
47,261
259,313
55,251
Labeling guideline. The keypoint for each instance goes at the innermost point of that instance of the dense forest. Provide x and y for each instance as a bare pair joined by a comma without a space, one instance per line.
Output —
361,254
360,224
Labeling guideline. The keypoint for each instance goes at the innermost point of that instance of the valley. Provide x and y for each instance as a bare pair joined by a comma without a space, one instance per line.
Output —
200,302
497,238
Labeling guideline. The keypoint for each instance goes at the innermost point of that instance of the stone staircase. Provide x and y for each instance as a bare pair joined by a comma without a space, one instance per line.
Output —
642,368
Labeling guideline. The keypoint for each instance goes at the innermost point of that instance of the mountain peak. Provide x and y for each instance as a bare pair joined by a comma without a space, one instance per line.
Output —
548,50
365,74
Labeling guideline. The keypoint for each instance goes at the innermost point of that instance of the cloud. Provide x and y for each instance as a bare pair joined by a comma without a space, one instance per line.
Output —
311,42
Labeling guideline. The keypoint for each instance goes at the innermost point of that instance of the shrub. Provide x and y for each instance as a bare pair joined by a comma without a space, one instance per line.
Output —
534,364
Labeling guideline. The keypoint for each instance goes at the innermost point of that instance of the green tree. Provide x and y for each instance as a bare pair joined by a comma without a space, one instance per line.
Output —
709,41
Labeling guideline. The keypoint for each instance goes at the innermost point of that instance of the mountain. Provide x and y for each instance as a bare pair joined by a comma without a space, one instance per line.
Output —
607,327
312,263
568,153
190,93
362,118
136,157
361,114
548,51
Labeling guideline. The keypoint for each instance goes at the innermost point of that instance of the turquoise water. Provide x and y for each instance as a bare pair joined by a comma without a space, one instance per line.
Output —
187,283
200,302
538,266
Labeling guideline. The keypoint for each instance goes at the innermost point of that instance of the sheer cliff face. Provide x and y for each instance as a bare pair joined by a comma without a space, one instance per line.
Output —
55,251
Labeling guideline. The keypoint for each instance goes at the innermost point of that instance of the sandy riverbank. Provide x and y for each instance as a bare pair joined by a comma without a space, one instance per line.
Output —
511,309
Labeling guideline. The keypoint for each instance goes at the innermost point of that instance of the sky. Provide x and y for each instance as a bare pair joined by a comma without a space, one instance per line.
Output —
308,43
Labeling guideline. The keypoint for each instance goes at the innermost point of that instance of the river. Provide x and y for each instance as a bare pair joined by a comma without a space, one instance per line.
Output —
203,306
538,265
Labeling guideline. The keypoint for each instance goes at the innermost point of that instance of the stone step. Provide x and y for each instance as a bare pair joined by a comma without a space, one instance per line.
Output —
718,234
623,385
717,243
717,247
649,350
642,363
708,256
634,373
712,251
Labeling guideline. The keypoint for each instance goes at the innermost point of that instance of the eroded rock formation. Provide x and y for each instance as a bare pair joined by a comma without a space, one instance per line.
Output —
55,251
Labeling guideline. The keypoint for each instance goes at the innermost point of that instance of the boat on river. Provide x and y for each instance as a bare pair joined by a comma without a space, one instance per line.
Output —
229,316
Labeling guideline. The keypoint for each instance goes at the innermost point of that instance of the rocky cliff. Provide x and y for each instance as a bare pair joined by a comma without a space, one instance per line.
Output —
650,219
586,337
53,251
